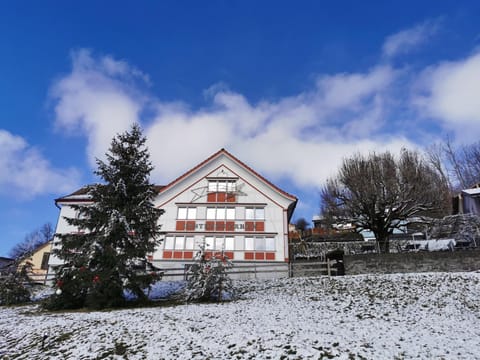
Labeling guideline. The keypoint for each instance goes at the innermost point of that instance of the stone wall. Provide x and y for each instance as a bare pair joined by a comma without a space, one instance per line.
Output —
412,262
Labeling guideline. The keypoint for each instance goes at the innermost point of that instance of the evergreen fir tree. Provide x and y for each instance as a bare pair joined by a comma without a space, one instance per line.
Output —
208,279
116,232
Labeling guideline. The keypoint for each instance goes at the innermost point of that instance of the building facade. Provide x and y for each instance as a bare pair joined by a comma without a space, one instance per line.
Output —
222,204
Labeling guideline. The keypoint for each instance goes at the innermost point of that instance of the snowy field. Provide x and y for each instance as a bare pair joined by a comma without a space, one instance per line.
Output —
402,316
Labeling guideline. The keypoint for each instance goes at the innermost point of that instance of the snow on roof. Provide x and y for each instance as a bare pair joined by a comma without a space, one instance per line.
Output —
472,192
82,194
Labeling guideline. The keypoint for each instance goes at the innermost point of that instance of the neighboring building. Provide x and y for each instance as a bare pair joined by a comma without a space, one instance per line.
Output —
222,203
38,262
467,201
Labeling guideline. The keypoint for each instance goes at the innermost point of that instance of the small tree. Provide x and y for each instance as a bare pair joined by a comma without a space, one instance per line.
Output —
208,279
116,232
380,193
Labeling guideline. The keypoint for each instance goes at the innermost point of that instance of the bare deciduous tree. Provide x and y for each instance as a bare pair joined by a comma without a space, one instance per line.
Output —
33,240
464,163
380,193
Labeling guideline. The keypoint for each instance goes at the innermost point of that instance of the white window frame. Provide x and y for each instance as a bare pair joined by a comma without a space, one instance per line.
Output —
221,213
169,243
229,243
222,185
260,243
189,243
249,244
179,243
186,213
254,213
269,244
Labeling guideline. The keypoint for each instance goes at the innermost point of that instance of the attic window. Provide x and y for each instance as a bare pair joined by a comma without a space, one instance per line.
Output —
222,186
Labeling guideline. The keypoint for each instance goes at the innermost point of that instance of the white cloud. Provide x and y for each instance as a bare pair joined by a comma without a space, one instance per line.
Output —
302,137
406,40
349,90
98,98
449,91
26,173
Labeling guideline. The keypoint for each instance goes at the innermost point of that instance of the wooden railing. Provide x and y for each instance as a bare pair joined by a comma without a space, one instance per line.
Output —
309,268
312,268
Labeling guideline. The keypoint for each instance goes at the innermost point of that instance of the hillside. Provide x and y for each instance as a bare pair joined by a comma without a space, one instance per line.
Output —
400,316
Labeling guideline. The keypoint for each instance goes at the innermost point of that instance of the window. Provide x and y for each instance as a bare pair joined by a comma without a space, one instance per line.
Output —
259,244
45,258
270,244
259,213
169,242
189,243
187,213
221,213
222,186
249,244
211,213
219,243
192,213
229,243
230,213
255,213
209,243
180,243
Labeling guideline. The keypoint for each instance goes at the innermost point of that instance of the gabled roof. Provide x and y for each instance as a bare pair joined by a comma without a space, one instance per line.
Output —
242,164
81,195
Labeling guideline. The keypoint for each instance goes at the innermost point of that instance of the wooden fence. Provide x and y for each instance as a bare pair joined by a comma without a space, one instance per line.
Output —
312,268
261,270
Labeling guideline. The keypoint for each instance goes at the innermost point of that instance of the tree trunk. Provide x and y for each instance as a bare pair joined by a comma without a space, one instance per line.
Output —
383,244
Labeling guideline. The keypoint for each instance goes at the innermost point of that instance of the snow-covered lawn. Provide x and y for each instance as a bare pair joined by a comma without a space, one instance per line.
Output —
401,316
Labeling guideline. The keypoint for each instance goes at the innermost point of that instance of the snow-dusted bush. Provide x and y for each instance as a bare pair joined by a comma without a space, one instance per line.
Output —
208,278
14,287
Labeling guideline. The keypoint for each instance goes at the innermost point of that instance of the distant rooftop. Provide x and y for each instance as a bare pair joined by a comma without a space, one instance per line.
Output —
473,192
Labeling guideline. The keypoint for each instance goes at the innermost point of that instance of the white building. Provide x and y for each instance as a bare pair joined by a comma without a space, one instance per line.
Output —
222,203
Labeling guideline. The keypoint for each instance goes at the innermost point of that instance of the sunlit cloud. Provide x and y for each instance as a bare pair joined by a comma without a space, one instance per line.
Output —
27,173
449,92
302,138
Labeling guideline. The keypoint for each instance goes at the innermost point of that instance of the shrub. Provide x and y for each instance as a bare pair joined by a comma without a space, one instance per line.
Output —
208,279
14,286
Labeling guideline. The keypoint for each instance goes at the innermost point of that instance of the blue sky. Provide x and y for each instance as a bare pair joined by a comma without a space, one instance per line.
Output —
289,87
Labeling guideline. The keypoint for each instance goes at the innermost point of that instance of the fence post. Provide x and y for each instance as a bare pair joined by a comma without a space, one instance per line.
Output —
328,267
